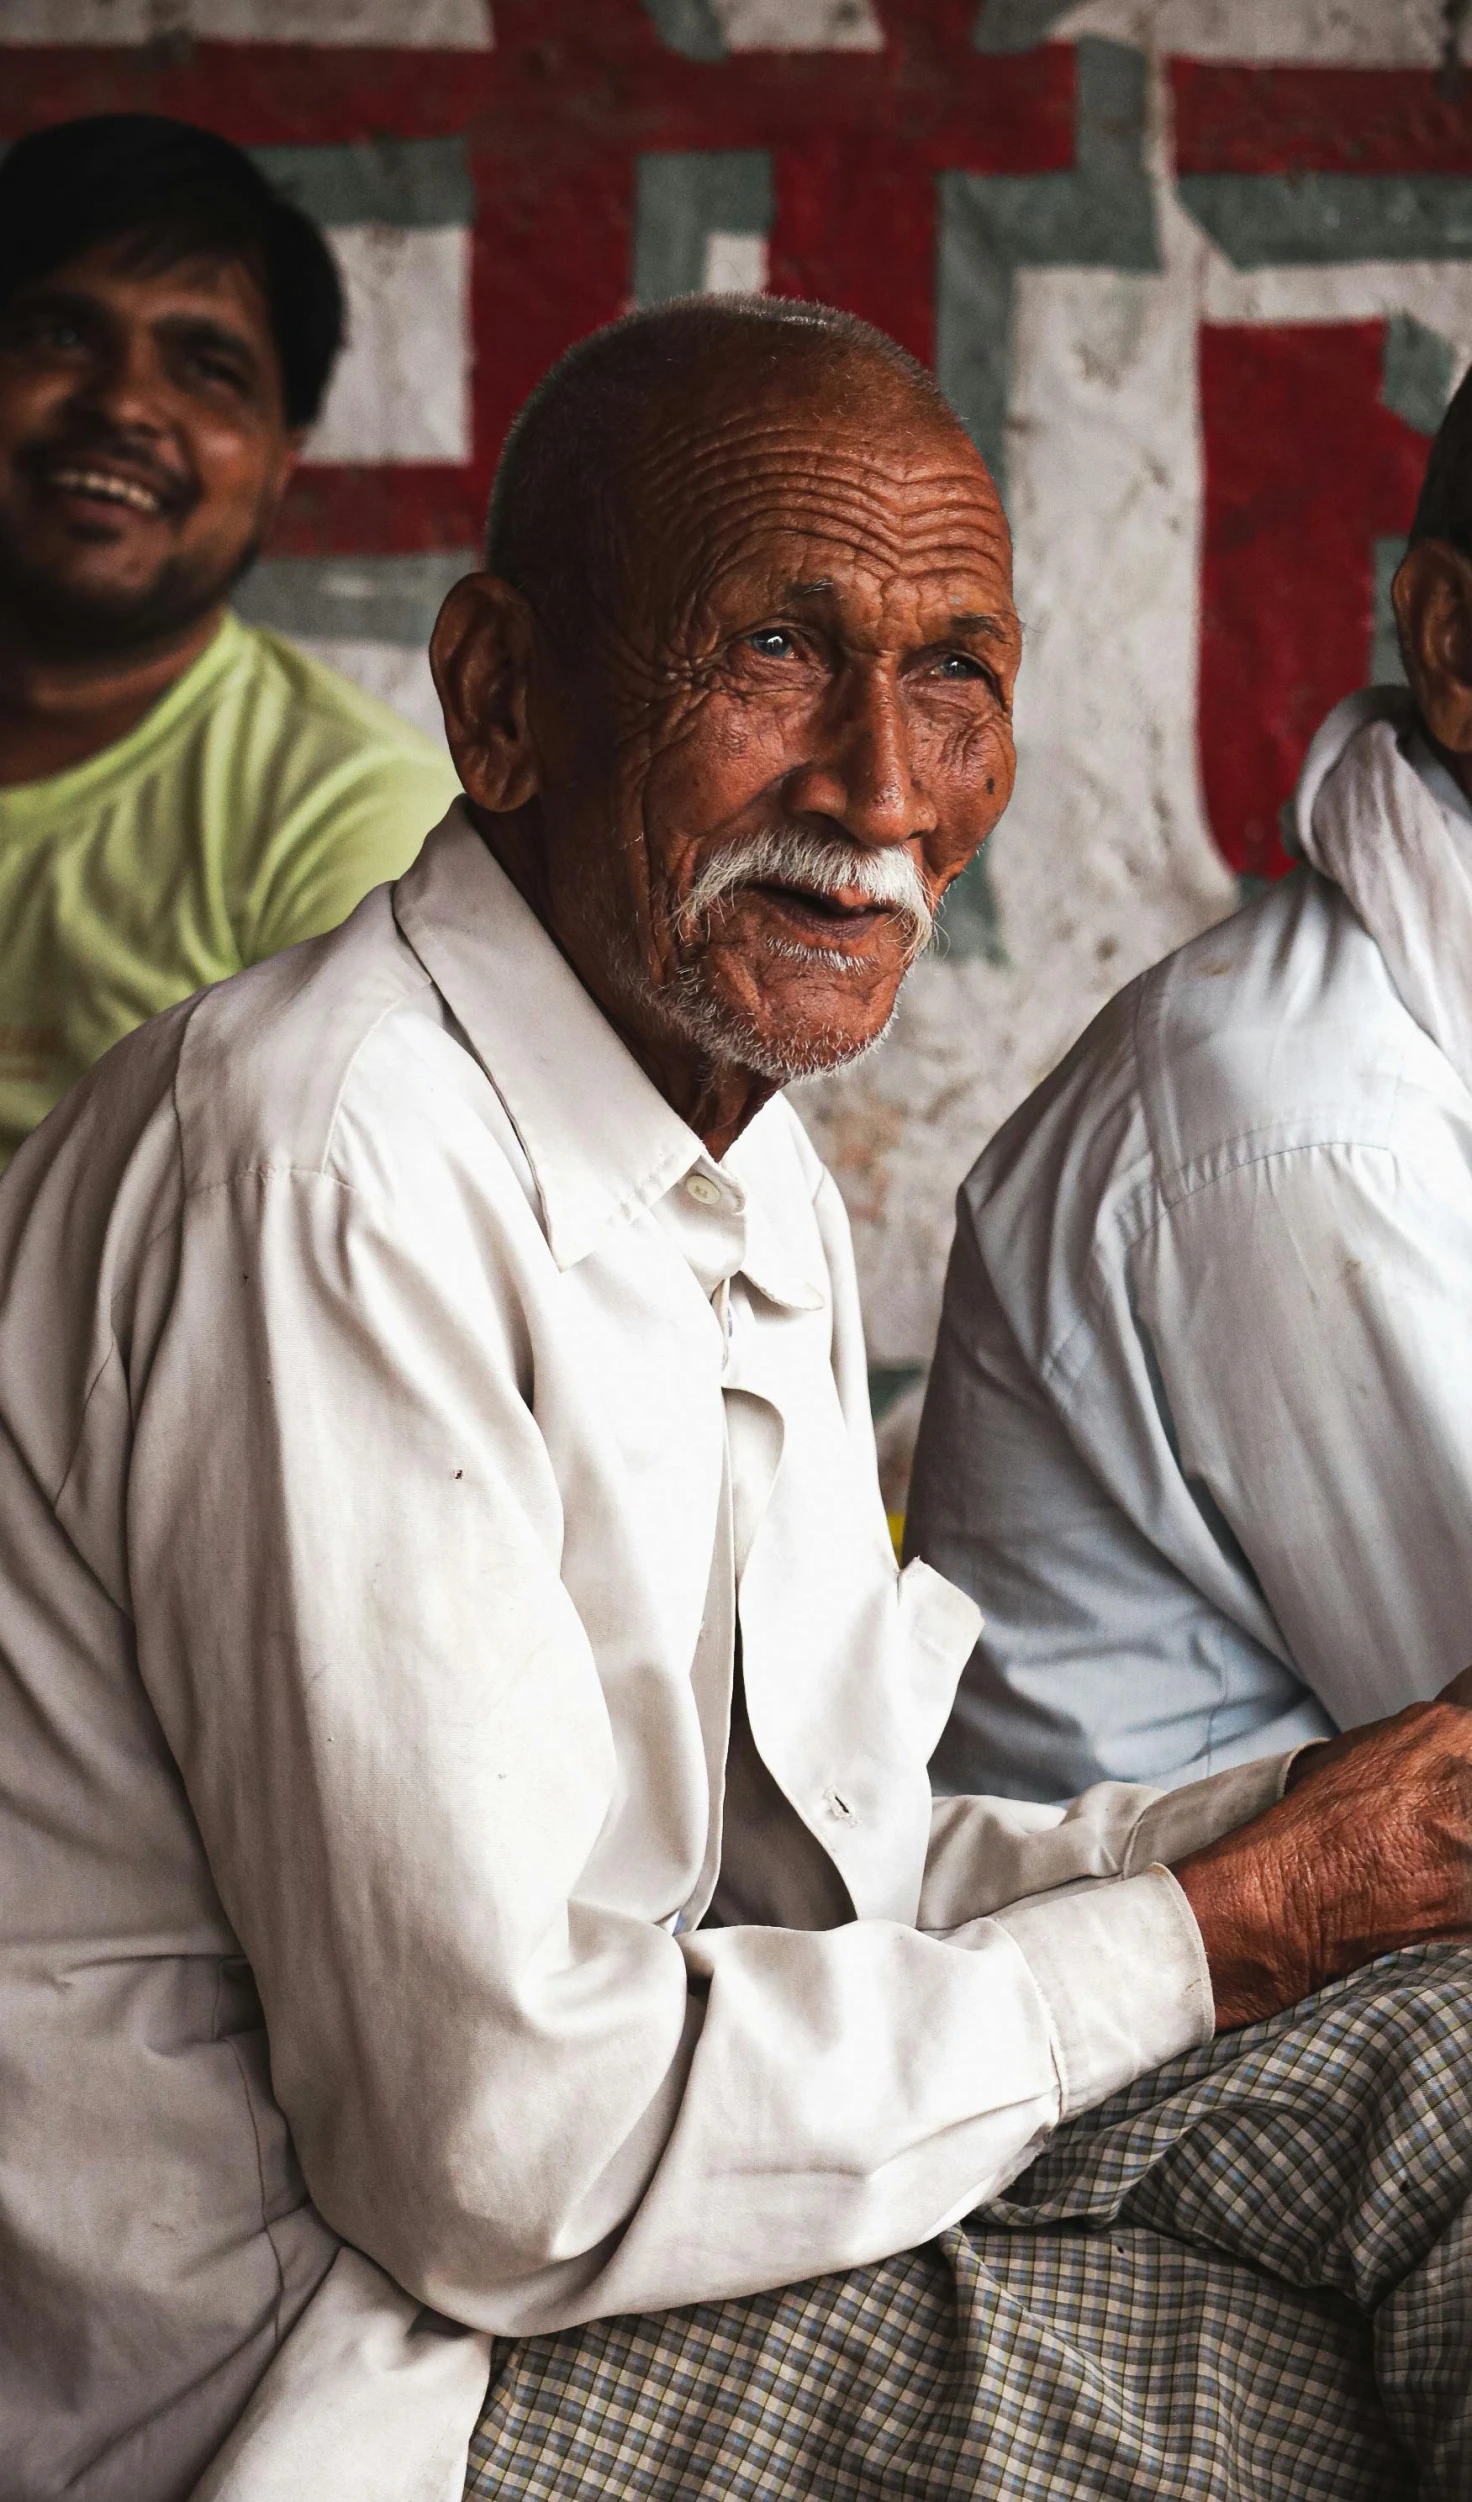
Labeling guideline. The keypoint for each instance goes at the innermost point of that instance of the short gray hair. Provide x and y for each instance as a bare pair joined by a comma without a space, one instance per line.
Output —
546,529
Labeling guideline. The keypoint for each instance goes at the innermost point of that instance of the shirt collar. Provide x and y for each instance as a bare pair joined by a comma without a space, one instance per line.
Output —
1396,705
600,1138
1448,792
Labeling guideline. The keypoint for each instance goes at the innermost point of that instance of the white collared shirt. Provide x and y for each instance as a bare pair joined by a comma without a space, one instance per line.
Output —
1200,1419
401,1413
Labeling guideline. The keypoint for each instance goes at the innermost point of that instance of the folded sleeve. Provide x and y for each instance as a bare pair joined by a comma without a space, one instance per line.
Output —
987,1853
1086,1891
1124,1973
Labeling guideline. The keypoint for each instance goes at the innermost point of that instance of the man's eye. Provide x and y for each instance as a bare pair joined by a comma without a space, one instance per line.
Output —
773,643
215,370
959,665
46,334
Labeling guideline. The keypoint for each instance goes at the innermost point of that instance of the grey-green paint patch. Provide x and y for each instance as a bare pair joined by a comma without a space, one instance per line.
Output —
1385,660
684,197
1263,221
888,1383
1016,25
1101,215
377,182
358,599
689,27
1419,370
970,923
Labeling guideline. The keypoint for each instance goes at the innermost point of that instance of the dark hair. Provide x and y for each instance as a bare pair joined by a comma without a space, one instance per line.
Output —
1444,508
549,501
173,190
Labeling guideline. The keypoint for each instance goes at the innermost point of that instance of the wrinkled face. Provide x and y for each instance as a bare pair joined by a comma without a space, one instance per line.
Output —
768,767
143,447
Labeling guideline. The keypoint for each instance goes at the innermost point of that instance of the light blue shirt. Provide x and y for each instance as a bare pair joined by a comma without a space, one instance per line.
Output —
1199,1432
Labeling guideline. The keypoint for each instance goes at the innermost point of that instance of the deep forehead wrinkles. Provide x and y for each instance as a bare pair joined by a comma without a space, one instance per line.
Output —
713,502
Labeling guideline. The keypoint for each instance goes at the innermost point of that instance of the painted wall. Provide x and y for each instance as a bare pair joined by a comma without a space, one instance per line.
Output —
1197,274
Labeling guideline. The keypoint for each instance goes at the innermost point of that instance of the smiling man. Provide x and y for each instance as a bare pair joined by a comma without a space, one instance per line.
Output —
179,794
469,1866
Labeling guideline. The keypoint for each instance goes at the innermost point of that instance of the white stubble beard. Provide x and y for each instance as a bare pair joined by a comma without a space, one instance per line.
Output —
792,856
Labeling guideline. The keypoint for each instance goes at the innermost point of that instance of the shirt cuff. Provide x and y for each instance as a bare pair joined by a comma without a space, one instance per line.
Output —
1123,1972
1185,1820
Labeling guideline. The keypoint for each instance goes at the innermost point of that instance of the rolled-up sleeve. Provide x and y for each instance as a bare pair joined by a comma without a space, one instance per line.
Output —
1086,1891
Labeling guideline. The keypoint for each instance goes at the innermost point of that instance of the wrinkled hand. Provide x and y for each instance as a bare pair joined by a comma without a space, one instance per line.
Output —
1371,1849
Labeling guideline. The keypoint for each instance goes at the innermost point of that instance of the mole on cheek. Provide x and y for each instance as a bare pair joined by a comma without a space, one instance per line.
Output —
991,781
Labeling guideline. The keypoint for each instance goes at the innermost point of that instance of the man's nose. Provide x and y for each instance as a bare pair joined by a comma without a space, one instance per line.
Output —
127,385
862,773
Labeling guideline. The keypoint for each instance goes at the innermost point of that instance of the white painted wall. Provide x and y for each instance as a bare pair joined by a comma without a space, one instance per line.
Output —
401,391
799,25
419,25
1387,32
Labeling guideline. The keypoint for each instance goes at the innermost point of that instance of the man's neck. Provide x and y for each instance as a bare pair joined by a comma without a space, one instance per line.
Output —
56,713
715,1100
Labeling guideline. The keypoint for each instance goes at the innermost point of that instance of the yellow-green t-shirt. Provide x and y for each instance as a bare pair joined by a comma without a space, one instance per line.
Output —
254,805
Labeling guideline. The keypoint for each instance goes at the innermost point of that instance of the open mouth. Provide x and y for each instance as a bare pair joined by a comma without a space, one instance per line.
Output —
89,482
833,911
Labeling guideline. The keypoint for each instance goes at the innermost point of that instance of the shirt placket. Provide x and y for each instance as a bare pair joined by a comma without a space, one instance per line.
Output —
707,1218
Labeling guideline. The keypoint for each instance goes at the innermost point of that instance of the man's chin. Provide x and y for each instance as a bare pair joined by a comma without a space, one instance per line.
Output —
74,616
783,1048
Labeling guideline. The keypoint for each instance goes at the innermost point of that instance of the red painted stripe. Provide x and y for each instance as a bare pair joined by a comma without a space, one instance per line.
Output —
393,511
553,258
565,76
1235,118
1304,470
256,94
853,227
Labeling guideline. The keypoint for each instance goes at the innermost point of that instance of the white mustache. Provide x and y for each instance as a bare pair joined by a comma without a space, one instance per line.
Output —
823,864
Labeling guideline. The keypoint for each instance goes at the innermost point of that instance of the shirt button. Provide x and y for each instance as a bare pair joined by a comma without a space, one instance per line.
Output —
706,1192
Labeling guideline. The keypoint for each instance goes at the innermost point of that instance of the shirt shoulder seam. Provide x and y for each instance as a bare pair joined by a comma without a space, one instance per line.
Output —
1131,1236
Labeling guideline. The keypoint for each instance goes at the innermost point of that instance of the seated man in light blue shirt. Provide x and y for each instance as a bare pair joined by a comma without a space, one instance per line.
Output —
1199,1430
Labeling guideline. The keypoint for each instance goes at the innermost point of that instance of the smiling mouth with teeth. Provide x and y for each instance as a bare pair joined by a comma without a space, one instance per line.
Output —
106,487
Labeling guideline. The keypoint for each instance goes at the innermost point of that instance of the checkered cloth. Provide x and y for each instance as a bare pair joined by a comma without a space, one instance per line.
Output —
1249,2277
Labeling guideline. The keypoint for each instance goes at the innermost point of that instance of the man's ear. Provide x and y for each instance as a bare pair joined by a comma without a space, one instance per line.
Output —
1433,610
481,652
284,464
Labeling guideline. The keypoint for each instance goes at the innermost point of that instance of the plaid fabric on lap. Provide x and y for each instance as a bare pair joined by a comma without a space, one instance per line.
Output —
1249,2276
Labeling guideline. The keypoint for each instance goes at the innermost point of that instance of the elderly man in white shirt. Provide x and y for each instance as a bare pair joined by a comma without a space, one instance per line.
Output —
468,1862
1200,1420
